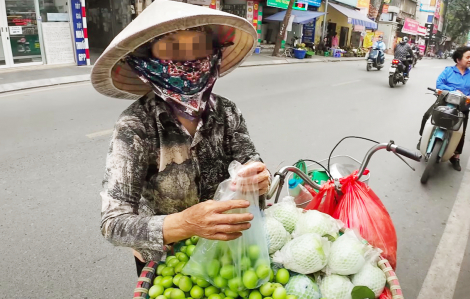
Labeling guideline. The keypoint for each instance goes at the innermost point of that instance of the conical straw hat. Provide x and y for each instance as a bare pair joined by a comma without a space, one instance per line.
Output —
113,77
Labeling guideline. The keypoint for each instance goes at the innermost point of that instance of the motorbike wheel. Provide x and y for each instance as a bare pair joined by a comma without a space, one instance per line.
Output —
391,81
368,67
432,161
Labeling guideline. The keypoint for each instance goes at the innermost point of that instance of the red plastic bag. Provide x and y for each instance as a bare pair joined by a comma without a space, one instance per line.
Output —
325,200
359,208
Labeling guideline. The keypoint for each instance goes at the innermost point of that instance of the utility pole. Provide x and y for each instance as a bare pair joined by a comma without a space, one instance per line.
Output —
282,32
325,18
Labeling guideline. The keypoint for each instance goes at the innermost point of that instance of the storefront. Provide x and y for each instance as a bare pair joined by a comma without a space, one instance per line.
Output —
35,32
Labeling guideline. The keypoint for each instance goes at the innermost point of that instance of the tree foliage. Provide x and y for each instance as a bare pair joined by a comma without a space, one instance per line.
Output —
458,19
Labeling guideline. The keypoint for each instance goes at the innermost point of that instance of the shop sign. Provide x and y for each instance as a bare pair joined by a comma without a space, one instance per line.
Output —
16,30
200,2
315,3
57,17
385,8
249,11
410,27
308,33
80,44
368,40
363,3
437,12
422,30
349,2
298,5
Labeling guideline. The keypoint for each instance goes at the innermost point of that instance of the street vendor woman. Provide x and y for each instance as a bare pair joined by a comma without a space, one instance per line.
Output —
172,147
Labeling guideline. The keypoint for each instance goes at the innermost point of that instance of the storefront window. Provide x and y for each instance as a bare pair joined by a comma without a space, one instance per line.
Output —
54,10
23,30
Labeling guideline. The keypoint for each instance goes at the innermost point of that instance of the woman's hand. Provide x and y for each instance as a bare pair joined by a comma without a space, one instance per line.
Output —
254,174
207,220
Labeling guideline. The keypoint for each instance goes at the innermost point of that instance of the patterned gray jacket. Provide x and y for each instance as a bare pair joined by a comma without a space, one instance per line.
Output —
155,167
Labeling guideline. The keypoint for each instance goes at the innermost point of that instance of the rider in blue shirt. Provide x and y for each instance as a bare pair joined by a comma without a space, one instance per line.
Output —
454,78
379,44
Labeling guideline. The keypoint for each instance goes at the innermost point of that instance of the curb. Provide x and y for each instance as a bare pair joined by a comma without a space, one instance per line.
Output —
11,87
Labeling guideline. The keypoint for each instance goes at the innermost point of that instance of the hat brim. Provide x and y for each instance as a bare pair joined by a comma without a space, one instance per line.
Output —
113,77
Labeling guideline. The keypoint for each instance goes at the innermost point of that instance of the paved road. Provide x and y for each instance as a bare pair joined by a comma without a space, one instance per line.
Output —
54,143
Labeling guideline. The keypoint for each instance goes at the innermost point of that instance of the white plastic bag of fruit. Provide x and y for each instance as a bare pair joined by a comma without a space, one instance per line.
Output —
242,263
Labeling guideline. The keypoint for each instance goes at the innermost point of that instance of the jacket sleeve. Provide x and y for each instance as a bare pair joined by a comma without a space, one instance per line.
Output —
441,82
126,169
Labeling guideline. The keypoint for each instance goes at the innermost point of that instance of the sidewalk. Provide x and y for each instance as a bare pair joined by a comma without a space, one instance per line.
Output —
46,75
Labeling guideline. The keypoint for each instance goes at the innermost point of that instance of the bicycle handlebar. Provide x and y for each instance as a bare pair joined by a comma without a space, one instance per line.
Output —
279,176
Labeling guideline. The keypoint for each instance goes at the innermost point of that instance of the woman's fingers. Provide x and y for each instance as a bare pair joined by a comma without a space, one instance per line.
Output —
224,206
224,236
232,228
232,218
251,169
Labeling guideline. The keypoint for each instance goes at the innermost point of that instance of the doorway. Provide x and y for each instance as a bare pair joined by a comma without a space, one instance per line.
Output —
343,37
20,36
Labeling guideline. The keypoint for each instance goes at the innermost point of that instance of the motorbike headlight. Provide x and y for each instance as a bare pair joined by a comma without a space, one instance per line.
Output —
453,99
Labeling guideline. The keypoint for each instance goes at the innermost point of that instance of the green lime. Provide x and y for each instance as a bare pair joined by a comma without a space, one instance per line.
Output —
271,275
182,257
169,258
226,259
254,252
194,279
229,298
167,292
183,249
158,280
160,269
176,279
279,293
267,289
220,282
197,292
210,290
185,284
188,242
236,284
177,294
156,290
194,240
161,297
282,276
244,293
245,263
167,282
250,279
179,267
277,285
227,272
255,294
168,271
262,271
202,283
230,293
213,268
190,250
215,296
173,262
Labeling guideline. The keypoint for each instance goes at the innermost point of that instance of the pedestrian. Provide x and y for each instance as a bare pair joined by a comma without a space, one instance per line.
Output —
334,41
454,78
172,147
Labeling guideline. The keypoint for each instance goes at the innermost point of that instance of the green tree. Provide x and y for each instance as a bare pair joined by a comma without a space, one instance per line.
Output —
458,19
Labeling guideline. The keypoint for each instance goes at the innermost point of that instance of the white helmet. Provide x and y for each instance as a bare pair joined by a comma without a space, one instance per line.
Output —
404,40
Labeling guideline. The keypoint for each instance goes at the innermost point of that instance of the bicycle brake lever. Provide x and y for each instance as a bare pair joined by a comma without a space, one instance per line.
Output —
405,161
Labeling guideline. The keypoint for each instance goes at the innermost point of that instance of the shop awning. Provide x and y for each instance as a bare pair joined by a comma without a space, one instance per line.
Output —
301,17
355,17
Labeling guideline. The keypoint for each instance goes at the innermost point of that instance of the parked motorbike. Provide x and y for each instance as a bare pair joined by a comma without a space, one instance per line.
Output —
417,56
397,72
376,59
443,131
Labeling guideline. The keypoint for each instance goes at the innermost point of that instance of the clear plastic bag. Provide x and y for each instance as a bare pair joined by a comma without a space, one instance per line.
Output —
242,263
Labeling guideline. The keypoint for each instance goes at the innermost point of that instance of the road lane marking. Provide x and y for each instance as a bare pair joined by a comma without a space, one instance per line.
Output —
38,89
344,83
442,277
100,133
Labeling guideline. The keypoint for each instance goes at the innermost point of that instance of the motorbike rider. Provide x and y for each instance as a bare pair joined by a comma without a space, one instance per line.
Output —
379,44
401,50
454,78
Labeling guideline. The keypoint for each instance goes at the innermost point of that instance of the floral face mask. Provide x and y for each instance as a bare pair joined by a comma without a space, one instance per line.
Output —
181,84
